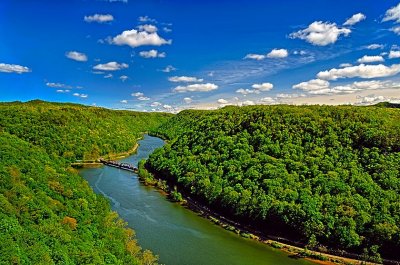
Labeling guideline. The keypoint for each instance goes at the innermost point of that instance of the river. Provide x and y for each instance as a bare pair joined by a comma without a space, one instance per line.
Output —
178,235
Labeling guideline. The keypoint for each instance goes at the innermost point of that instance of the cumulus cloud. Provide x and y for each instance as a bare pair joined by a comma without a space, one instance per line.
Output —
137,94
167,107
123,78
152,54
263,86
375,46
188,100
168,69
80,95
146,19
370,59
394,54
13,68
108,76
196,88
63,90
155,104
278,53
77,56
254,56
362,71
148,27
143,98
111,66
314,84
324,87
267,100
396,30
222,101
188,79
354,19
345,65
57,85
99,18
392,14
320,33
245,91
135,38
124,101
247,103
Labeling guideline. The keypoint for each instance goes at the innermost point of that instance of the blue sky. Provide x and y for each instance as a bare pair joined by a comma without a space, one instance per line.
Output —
172,55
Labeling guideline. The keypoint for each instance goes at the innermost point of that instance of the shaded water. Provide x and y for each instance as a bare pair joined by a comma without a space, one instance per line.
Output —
178,235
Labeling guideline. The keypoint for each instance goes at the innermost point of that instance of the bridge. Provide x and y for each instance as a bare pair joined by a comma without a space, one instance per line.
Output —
124,166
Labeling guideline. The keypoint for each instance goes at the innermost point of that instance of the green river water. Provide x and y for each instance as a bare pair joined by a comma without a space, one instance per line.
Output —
178,235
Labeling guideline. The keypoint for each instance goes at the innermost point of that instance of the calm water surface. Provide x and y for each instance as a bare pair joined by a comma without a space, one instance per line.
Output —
176,234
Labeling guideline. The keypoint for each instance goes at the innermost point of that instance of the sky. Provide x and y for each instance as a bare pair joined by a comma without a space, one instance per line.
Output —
165,55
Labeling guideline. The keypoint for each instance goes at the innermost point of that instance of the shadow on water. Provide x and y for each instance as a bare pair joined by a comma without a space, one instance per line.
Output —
178,235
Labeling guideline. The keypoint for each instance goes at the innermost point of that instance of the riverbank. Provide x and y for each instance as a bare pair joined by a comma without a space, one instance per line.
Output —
295,249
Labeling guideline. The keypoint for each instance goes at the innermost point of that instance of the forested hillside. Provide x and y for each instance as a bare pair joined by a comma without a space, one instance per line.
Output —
319,174
48,213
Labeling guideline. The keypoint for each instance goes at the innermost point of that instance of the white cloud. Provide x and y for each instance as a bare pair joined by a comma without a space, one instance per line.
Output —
146,19
123,78
155,104
285,96
320,33
77,56
371,99
147,27
253,56
13,68
345,65
375,46
362,71
99,18
278,53
267,100
370,59
394,54
396,30
222,101
196,88
124,101
137,94
57,85
300,52
168,69
108,76
63,90
167,29
263,86
354,19
247,103
111,66
135,38
392,14
187,100
80,95
314,84
245,91
143,98
325,89
152,54
168,107
184,79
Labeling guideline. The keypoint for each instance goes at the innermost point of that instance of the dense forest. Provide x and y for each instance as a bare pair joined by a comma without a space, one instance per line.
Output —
328,176
48,213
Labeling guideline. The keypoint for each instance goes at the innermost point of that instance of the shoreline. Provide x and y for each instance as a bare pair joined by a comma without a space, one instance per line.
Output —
314,256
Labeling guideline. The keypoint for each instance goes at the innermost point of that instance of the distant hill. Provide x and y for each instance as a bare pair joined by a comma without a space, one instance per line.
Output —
387,105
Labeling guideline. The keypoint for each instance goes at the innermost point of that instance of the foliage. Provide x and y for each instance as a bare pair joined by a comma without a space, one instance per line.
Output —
320,174
48,213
